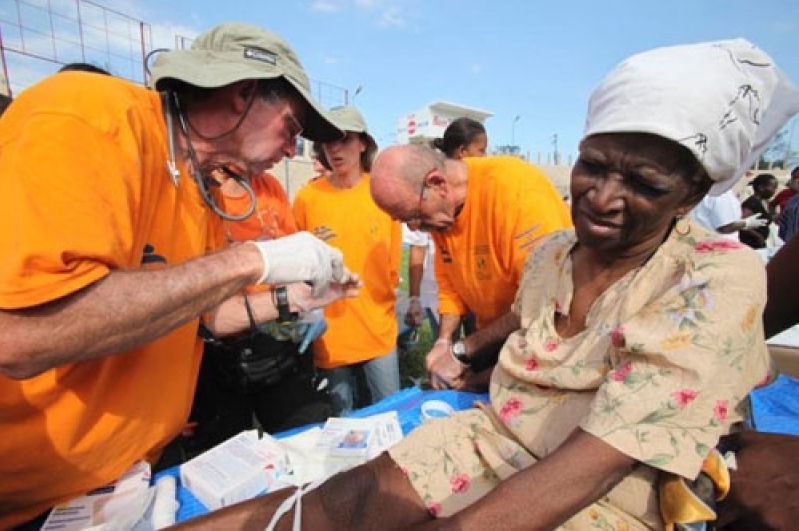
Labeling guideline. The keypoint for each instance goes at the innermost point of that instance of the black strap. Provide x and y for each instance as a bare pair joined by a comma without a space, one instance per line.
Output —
280,297
250,315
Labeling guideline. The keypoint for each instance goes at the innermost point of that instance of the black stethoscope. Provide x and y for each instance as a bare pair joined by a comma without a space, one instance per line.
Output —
172,108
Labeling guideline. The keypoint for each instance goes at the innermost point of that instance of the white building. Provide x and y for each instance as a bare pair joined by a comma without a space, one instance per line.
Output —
429,122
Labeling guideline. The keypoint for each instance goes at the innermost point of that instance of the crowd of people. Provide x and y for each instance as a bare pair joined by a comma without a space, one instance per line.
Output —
159,286
764,220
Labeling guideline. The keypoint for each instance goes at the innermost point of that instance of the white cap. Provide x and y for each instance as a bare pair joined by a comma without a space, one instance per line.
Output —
722,100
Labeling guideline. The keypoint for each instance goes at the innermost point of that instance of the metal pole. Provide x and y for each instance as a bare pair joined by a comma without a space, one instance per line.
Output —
5,88
555,149
143,46
355,93
80,33
789,145
52,30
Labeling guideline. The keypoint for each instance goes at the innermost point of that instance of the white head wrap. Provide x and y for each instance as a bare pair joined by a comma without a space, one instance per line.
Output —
722,100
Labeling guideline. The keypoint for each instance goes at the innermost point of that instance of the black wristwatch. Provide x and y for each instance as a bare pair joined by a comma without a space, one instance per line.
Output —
458,350
284,313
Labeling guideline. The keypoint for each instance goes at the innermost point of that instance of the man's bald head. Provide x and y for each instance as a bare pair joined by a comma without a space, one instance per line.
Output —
398,175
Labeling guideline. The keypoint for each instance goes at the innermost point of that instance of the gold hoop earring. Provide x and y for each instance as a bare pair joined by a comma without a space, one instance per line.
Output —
686,226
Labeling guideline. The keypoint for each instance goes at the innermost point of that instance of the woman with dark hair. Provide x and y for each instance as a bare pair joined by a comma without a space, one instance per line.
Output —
463,137
764,186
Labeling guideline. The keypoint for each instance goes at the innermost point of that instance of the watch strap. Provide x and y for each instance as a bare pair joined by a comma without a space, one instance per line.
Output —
281,299
250,313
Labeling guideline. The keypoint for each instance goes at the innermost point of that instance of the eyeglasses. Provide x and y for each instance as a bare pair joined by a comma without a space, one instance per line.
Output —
293,126
417,217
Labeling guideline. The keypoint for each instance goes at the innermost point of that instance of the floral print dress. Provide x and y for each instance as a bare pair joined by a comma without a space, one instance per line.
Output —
661,371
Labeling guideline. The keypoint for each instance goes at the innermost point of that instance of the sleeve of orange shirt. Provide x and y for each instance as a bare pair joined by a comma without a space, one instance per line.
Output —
74,224
300,210
541,211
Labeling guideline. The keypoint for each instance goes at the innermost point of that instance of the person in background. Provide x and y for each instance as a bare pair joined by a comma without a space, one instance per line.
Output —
485,215
102,295
723,214
763,187
787,209
780,201
360,341
766,477
260,373
789,220
84,67
422,285
5,101
463,137
612,391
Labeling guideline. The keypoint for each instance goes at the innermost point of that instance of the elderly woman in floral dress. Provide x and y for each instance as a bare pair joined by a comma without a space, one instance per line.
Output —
639,333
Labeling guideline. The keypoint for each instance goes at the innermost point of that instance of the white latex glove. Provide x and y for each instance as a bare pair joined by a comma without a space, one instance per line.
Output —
302,257
754,222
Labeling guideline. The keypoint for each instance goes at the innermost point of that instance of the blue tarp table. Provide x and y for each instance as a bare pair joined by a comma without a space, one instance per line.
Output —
407,403
775,408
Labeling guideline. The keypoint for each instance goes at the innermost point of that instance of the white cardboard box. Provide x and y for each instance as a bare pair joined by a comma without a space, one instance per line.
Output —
360,437
236,470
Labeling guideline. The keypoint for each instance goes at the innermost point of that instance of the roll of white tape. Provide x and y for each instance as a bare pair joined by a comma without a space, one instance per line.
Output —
436,409
165,505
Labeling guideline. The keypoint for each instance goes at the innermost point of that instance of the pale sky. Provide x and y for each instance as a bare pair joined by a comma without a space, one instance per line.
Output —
534,59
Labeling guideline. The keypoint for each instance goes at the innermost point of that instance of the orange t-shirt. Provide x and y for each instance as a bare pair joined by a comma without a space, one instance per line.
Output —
364,327
85,191
509,206
272,217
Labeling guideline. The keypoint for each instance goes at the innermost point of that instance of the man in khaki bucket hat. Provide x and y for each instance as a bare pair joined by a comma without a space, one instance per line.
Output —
234,52
130,254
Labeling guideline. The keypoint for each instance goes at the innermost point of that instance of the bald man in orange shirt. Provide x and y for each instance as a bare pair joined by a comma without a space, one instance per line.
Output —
485,215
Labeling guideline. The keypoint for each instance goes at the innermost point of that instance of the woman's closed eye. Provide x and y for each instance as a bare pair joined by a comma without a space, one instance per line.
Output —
644,186
592,167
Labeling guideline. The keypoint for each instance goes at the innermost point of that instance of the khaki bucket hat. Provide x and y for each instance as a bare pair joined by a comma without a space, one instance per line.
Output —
234,52
348,118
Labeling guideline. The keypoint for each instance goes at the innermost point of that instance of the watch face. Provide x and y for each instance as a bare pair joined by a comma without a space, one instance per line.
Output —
459,349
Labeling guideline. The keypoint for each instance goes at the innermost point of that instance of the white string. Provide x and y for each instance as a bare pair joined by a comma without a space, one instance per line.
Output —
295,498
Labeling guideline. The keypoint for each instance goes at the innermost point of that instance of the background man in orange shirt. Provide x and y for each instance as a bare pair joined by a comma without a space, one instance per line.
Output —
107,221
485,215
